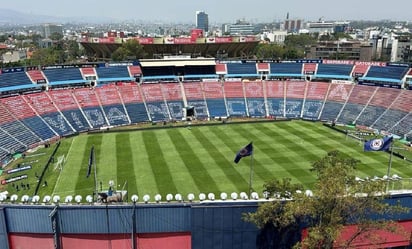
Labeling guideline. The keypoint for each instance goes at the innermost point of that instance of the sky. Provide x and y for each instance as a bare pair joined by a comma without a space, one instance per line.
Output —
219,10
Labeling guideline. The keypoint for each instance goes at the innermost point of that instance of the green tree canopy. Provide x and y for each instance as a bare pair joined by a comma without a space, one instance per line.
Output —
130,50
337,200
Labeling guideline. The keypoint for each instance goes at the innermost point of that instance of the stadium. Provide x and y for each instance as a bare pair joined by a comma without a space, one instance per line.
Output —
96,121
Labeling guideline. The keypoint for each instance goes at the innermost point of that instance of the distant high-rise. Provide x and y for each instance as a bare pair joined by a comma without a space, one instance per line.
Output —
49,29
202,20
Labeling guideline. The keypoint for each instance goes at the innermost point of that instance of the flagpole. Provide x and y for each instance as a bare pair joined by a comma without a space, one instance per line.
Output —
95,175
251,175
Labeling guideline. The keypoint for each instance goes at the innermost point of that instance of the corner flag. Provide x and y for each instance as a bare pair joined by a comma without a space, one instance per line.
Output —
378,144
91,159
245,151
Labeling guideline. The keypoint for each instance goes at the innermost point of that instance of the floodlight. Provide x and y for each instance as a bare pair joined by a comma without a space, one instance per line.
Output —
25,198
358,179
396,177
233,195
46,199
56,199
309,193
68,199
255,196
211,196
89,199
146,198
35,199
135,198
202,196
158,198
169,197
223,196
385,177
78,198
266,194
190,197
14,198
243,196
178,197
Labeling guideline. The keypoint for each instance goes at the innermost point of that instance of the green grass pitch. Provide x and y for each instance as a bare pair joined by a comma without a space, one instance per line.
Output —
200,159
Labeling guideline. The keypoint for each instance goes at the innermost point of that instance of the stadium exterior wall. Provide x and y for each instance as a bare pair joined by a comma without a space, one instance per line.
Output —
207,224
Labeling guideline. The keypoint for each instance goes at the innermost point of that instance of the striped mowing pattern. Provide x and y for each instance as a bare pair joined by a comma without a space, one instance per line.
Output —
200,159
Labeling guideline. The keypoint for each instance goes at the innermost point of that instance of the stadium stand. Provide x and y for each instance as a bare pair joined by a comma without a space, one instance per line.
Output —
334,71
395,112
133,101
22,111
221,69
88,72
155,102
194,96
255,98
9,143
310,68
67,104
314,100
36,117
285,70
337,97
16,130
56,76
360,70
46,109
295,94
113,73
112,105
386,74
241,70
172,93
89,103
381,100
357,101
134,71
275,94
215,99
14,78
36,76
235,99
403,126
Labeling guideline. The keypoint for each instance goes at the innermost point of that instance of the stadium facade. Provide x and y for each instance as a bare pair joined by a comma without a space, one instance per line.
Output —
39,105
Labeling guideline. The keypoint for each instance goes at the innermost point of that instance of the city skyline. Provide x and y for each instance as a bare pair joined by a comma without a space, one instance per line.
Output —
218,11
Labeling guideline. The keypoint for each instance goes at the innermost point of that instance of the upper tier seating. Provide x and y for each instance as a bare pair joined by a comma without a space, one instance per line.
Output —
386,73
13,79
69,75
285,69
36,76
334,71
241,69
135,71
113,73
360,70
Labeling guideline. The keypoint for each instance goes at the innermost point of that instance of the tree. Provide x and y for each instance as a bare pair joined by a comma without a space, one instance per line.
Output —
337,200
131,49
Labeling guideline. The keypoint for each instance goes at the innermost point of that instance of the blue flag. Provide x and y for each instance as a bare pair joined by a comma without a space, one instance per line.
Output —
378,144
245,151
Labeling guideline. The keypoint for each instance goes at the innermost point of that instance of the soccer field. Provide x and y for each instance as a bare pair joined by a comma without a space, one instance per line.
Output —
199,159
